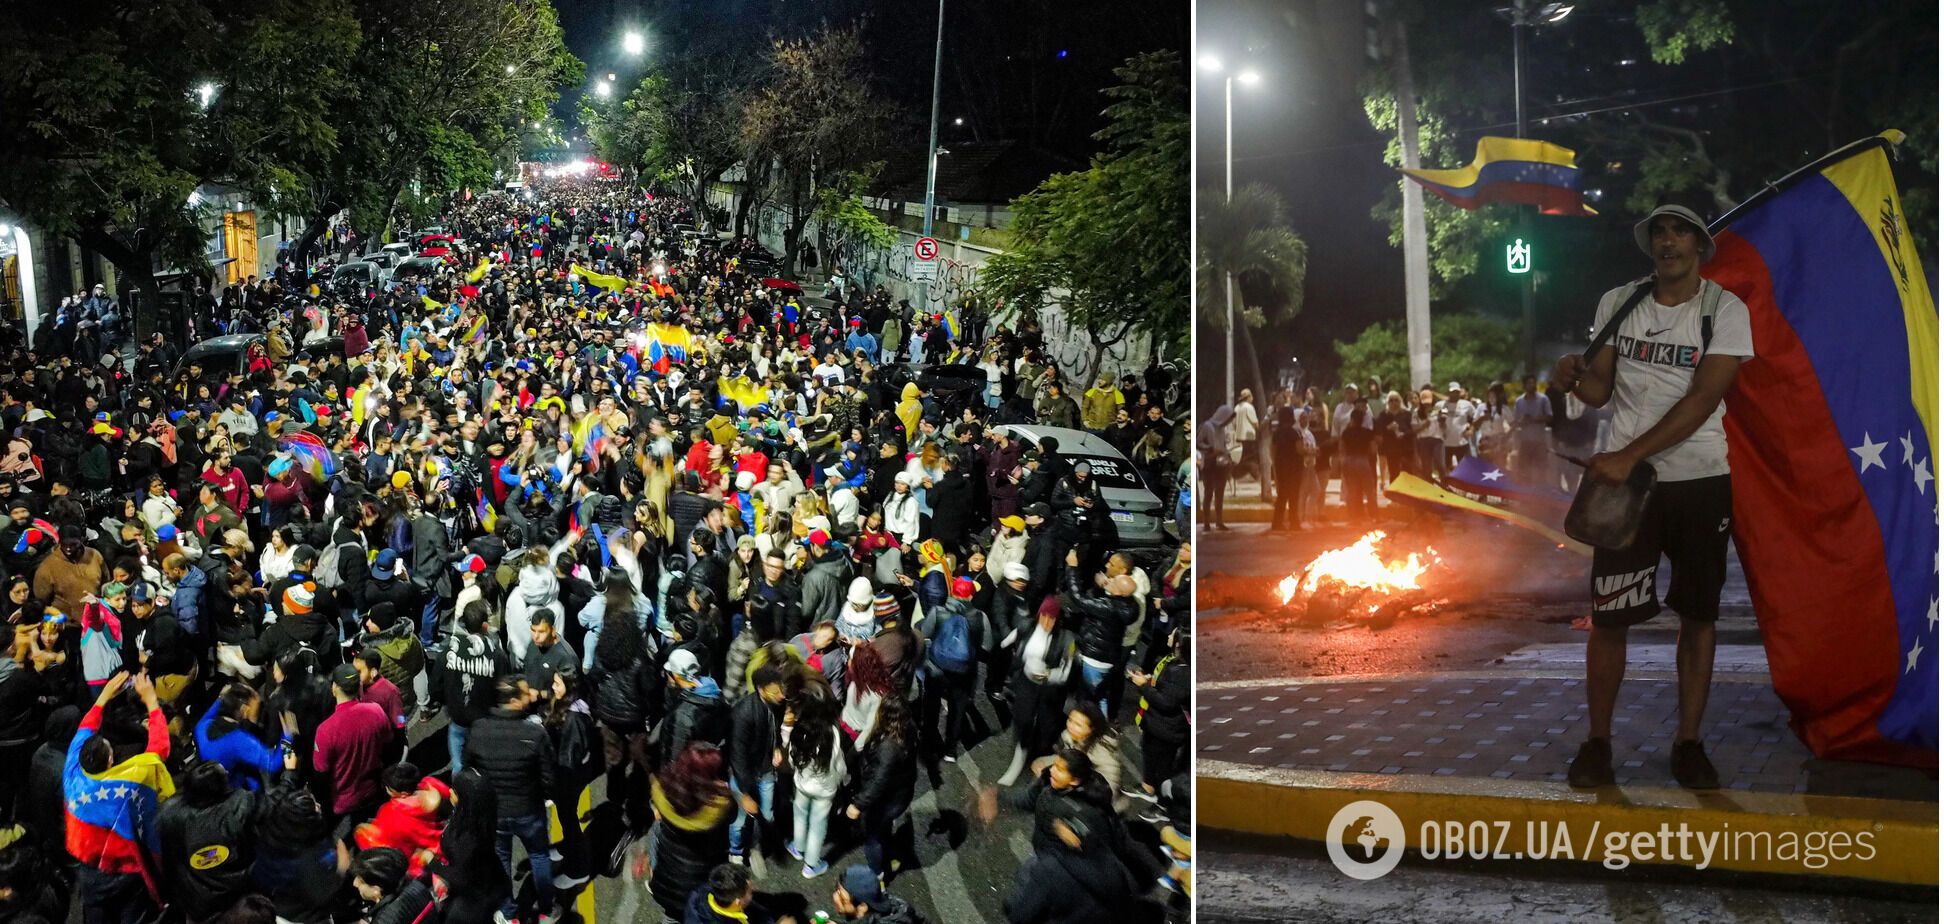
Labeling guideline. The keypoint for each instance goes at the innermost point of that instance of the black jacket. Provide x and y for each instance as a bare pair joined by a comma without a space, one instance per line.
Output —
1064,886
694,715
1011,611
951,503
1165,704
887,774
755,732
1103,618
624,699
207,852
516,757
409,905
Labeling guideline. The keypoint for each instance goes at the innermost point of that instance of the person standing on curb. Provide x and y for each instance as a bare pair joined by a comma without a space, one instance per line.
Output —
1666,372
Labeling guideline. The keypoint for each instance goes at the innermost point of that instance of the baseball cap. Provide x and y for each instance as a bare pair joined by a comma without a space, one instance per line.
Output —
1015,571
862,885
1643,230
165,532
140,593
346,675
1014,521
1454,386
817,537
384,565
1038,509
472,563
963,588
682,664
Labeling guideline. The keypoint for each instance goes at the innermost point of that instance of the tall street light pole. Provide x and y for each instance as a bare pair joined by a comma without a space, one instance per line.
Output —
931,149
1524,15
1228,198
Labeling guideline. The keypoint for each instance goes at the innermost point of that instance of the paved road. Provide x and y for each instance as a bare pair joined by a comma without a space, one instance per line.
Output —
965,869
1255,887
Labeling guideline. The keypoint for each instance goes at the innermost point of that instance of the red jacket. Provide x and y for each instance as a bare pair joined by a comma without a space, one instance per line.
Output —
404,823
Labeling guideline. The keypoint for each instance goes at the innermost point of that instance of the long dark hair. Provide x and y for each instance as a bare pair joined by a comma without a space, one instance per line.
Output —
621,642
693,778
475,813
894,721
812,744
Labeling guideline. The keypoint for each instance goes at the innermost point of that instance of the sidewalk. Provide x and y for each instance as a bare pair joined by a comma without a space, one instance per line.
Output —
1281,757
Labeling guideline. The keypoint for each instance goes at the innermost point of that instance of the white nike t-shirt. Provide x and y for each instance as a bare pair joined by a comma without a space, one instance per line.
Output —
1659,348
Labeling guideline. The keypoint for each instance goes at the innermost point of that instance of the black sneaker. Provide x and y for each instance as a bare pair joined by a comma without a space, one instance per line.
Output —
1592,767
1692,768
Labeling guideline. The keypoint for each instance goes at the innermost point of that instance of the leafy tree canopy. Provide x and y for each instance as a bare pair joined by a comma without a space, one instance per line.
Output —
1465,348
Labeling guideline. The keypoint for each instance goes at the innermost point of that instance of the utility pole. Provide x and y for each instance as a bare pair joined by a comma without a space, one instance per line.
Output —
1527,315
931,149
1228,197
1417,261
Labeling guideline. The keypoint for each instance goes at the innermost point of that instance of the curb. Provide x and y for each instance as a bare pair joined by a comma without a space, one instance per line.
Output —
1301,804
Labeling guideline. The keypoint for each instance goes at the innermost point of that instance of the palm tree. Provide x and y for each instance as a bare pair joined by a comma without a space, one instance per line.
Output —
1248,238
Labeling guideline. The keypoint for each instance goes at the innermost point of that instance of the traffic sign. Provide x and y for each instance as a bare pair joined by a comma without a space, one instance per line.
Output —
924,271
926,248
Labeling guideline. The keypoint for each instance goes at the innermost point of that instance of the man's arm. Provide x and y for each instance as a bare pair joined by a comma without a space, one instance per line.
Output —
1592,383
1705,393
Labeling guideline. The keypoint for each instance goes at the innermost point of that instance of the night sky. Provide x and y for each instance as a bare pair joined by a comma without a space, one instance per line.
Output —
1024,70
1303,132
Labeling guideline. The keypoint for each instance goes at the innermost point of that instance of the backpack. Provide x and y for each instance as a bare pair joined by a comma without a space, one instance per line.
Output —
951,648
330,569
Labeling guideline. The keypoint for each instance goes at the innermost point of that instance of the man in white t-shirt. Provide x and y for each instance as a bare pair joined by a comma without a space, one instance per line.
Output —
1665,373
1457,417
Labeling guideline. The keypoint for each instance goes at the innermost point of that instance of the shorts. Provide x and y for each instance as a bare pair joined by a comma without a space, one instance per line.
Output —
1689,522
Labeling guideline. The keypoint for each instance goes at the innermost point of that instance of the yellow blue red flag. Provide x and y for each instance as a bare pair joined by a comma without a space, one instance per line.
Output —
1524,171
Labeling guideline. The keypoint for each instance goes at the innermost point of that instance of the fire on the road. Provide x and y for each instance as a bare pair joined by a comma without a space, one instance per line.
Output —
1362,573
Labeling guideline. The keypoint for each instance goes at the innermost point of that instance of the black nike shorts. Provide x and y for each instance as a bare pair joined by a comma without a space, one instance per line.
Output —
1689,522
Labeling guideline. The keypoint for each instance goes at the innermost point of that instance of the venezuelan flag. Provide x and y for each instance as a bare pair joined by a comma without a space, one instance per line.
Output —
605,281
431,304
479,272
673,339
952,325
112,816
1832,434
1515,170
1481,477
745,393
1411,489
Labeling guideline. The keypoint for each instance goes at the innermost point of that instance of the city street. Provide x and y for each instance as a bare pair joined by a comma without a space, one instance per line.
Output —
1480,703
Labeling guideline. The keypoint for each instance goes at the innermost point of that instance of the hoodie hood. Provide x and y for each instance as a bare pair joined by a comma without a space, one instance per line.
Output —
538,586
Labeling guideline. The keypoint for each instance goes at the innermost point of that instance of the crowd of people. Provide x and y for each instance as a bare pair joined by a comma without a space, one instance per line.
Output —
1370,435
638,529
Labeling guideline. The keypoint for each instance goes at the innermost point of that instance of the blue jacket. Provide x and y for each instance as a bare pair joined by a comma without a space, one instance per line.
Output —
250,762
187,601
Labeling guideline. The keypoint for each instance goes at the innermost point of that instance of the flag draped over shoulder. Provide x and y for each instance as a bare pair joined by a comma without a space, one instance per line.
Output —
605,281
1832,430
1515,170
112,816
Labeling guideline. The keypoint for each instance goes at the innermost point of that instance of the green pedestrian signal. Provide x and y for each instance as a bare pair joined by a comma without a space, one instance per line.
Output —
1518,257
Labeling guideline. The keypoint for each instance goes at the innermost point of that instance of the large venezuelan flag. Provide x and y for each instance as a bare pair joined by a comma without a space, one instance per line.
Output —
1831,433
1515,170
112,816
1410,489
605,281
673,341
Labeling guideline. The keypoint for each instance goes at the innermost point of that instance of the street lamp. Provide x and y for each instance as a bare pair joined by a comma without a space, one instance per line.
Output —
931,146
633,43
1523,15
207,94
1248,77
510,68
603,89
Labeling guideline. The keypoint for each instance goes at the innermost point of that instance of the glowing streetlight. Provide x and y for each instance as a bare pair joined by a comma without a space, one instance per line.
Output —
633,43
510,68
1250,78
958,121
207,94
1212,64
604,89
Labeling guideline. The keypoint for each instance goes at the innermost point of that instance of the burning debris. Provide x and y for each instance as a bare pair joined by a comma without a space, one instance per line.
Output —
1362,581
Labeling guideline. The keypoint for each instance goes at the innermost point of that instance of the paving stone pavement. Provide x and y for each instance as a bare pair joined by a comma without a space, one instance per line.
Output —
1523,728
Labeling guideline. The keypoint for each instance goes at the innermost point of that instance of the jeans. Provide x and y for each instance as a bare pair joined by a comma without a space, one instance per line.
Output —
113,898
955,691
532,831
765,801
880,825
1095,679
812,820
456,743
429,621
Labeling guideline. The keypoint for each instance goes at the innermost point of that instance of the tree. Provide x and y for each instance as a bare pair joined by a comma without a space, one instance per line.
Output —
1108,243
814,117
1465,348
439,93
117,134
847,227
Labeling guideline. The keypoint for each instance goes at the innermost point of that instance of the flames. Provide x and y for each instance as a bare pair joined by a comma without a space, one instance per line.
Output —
1360,575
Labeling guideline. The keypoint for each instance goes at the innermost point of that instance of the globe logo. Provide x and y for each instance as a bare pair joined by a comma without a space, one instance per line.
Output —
1365,840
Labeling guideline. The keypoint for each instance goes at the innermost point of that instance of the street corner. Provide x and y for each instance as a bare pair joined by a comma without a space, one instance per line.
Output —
1469,768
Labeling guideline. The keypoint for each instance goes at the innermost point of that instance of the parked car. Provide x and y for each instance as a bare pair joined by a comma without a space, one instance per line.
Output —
357,276
399,249
419,266
1134,508
223,356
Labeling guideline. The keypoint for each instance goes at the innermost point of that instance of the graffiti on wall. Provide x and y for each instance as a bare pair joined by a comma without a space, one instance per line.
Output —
1073,350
